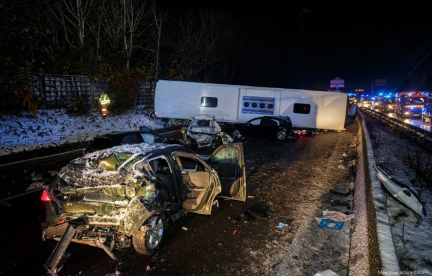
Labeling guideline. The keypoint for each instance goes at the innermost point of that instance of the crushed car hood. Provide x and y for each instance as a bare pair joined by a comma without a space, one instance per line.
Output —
114,166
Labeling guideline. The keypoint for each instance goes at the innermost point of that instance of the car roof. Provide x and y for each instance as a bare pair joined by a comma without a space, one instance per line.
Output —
204,117
143,148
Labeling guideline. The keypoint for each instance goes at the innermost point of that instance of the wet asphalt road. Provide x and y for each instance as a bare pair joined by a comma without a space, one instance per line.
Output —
220,244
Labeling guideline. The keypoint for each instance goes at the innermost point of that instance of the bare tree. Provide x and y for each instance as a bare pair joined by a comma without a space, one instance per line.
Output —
72,16
123,24
135,15
159,20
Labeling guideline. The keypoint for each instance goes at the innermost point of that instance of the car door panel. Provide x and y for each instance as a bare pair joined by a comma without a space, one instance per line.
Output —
252,128
203,186
269,128
228,161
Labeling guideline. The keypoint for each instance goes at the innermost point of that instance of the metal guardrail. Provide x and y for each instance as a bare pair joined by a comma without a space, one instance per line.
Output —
420,136
40,161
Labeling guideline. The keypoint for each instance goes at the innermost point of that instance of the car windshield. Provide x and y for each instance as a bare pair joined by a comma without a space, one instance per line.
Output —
150,138
201,123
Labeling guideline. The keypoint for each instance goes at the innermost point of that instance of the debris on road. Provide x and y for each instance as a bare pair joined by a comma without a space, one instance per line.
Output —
252,214
235,231
330,224
400,192
185,228
282,225
327,272
337,216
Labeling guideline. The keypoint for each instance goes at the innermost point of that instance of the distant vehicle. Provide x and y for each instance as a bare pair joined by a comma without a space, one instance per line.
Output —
126,195
427,113
388,106
203,132
241,103
367,104
265,127
127,137
410,104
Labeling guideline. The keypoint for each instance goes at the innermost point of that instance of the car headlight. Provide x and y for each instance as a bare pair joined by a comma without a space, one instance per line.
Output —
407,112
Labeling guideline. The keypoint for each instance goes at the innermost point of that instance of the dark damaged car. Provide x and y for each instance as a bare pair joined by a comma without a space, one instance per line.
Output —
126,195
117,138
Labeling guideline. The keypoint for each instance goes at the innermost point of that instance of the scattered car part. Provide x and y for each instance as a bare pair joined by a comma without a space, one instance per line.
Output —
401,193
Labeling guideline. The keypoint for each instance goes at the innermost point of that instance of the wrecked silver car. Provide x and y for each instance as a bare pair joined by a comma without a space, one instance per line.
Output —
203,131
126,195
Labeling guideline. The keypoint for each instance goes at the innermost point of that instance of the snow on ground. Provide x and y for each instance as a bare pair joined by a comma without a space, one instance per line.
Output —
413,244
54,127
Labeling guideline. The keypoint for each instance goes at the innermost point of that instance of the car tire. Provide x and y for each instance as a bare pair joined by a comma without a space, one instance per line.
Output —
148,239
281,135
236,134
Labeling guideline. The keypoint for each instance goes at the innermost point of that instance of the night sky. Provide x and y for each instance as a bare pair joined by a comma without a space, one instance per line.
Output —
354,40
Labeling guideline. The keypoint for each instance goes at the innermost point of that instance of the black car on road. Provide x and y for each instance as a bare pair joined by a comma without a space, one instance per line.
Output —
265,127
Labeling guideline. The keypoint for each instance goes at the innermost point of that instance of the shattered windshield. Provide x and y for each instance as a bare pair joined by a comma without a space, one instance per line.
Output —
201,123
113,161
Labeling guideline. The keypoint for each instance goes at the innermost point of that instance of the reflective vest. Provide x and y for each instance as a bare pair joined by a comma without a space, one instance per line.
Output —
104,99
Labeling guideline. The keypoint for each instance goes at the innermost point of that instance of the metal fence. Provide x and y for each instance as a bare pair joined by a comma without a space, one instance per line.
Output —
55,91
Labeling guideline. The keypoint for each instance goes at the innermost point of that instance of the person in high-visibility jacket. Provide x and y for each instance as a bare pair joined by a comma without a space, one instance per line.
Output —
104,101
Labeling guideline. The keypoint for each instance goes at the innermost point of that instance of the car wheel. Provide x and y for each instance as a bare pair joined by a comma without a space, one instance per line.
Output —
236,134
281,135
147,240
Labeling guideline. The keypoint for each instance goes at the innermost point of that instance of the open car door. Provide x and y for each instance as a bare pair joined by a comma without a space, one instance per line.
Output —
201,181
228,161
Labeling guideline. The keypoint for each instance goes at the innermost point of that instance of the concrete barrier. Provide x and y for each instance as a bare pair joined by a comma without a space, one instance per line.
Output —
372,250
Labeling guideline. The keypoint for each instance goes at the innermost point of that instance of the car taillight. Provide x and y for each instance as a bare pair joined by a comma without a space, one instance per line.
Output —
62,221
45,197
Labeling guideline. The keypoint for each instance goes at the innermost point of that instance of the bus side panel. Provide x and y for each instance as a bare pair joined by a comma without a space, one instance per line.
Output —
332,112
182,100
173,99
291,97
255,102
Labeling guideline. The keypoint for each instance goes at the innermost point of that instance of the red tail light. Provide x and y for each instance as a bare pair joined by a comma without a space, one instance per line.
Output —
45,196
62,221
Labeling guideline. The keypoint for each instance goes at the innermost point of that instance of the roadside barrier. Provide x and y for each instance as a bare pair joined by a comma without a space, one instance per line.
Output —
372,249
